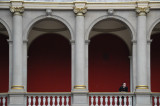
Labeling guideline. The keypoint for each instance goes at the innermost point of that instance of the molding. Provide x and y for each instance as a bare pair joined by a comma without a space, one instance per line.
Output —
17,87
149,41
134,41
79,87
142,87
72,41
87,41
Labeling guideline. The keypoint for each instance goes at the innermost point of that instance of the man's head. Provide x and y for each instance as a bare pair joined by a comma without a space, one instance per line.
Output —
124,84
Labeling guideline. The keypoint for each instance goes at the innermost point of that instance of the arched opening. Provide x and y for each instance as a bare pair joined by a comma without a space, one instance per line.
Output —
109,51
49,58
4,60
155,57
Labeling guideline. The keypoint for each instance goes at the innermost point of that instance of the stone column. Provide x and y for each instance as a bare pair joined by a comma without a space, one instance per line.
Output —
17,84
142,89
80,49
80,91
16,94
142,83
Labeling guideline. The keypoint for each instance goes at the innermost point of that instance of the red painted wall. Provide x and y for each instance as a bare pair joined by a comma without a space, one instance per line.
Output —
155,63
109,64
49,64
4,64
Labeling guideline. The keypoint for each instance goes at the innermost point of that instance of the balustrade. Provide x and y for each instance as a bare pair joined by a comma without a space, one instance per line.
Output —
3,99
48,99
155,99
111,99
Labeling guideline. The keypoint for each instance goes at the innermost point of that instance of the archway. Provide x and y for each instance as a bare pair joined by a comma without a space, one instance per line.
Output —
155,57
49,64
109,51
49,57
4,60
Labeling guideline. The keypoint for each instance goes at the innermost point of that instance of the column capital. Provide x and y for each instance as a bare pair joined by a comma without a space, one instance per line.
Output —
142,11
149,41
25,41
87,42
72,42
17,10
80,8
80,11
134,41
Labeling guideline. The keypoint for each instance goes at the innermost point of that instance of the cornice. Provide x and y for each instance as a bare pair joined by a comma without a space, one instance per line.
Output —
90,5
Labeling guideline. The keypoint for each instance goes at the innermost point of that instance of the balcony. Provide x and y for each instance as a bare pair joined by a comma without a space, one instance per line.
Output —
95,99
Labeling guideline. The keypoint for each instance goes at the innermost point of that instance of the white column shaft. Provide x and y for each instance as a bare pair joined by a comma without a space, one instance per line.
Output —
141,51
17,49
80,43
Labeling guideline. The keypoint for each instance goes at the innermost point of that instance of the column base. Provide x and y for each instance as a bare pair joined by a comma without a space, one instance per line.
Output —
80,97
16,100
143,99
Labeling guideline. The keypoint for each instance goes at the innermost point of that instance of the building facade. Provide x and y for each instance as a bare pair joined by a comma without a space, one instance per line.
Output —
61,53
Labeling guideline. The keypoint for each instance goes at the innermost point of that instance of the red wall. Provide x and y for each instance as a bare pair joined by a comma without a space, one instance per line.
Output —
109,63
49,64
4,64
155,63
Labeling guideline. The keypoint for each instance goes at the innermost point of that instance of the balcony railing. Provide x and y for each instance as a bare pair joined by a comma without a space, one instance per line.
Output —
111,99
48,99
3,99
155,99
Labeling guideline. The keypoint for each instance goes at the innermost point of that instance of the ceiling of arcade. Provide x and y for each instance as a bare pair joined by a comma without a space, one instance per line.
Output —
48,26
156,29
3,30
115,27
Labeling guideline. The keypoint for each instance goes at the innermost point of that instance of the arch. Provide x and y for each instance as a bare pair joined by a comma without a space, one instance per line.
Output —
155,73
46,57
151,28
105,59
31,24
4,61
7,28
125,21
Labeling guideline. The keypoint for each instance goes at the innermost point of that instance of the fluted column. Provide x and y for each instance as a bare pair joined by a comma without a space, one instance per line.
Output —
142,84
17,75
80,49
